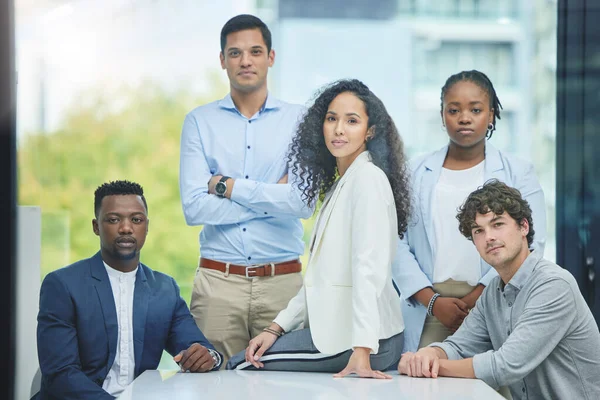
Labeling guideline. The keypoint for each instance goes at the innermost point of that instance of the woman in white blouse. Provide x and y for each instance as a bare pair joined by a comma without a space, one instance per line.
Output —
346,318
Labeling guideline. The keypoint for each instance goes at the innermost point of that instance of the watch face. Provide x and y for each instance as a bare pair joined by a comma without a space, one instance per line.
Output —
220,188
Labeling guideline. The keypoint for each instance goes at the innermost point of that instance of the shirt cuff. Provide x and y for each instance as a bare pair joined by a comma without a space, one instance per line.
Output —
217,357
242,190
451,353
483,368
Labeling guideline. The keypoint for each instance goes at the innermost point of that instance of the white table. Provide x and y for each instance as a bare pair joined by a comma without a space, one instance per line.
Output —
265,385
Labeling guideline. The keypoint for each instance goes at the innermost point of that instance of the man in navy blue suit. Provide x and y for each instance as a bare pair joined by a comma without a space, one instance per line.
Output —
106,319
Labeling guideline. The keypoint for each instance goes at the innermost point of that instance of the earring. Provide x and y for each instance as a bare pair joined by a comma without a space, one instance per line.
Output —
443,128
490,130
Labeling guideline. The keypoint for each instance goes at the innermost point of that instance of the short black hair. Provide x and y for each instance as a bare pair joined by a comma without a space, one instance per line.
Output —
243,22
496,197
481,80
112,188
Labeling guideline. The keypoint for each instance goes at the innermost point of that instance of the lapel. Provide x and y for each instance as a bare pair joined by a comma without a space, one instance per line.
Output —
494,167
433,169
141,293
331,198
107,303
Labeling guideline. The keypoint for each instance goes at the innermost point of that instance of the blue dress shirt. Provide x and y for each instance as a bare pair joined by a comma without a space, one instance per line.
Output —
261,221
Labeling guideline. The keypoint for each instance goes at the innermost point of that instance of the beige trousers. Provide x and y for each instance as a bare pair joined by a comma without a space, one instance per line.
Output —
435,331
230,310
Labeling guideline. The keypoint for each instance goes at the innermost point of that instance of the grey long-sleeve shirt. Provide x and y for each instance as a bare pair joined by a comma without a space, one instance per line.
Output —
535,335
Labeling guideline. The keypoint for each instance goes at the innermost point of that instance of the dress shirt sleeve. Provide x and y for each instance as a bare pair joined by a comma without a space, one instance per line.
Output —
183,332
58,346
372,254
407,273
200,207
294,314
546,318
471,338
271,199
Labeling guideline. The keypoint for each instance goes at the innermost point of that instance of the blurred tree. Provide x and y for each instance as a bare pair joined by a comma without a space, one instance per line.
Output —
134,134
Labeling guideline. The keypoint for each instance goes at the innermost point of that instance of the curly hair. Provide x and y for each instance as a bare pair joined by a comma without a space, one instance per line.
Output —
117,188
316,167
496,197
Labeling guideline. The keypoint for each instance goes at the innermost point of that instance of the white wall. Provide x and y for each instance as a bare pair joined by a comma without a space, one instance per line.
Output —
29,248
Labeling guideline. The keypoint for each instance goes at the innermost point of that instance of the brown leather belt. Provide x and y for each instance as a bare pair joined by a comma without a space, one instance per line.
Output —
271,269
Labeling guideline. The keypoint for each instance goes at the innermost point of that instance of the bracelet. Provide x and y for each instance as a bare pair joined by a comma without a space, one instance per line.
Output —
273,331
430,305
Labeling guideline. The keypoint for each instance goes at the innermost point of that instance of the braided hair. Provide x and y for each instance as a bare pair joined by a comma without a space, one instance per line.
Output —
481,80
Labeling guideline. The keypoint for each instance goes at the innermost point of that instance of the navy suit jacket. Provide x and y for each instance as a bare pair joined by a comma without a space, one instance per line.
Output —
77,327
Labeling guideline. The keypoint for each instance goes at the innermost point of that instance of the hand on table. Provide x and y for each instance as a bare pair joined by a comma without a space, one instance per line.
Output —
360,364
195,359
423,363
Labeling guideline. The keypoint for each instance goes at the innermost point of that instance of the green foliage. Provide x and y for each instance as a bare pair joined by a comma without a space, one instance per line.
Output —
133,134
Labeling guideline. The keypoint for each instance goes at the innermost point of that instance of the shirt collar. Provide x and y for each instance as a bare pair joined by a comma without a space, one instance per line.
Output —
117,274
271,103
524,272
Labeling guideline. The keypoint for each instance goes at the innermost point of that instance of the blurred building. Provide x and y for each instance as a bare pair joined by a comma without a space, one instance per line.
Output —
405,50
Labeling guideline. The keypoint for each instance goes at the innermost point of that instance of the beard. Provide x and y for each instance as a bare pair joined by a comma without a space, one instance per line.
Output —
121,255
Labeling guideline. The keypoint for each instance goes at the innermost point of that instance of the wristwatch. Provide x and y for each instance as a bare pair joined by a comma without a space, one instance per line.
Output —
221,186
216,358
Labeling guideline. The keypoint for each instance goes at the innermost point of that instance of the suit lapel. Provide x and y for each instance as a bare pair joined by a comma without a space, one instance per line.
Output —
429,178
329,204
107,303
494,168
141,293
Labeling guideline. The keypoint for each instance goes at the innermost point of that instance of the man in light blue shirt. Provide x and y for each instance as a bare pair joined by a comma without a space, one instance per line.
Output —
234,182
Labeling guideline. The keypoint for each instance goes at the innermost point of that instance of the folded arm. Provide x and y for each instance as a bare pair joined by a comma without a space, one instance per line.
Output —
273,199
200,207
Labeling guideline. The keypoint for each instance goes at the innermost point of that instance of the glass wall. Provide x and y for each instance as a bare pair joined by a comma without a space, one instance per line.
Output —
104,87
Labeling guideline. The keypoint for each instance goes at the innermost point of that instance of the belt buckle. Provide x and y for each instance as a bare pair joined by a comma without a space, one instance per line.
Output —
252,269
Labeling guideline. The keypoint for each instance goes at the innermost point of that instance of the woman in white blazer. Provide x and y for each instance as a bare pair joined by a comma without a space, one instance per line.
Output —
346,318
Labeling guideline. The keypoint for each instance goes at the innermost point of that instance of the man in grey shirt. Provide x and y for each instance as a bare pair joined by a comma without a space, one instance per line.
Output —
531,329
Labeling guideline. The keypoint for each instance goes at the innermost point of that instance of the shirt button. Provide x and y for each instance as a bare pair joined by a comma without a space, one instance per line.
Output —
508,332
244,229
246,176
265,213
248,146
510,303
249,121
523,390
249,258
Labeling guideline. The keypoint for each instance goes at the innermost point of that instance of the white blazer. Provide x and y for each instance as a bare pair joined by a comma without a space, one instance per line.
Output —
348,298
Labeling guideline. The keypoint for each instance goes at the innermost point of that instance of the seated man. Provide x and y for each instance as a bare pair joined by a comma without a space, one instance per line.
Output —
106,319
531,329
